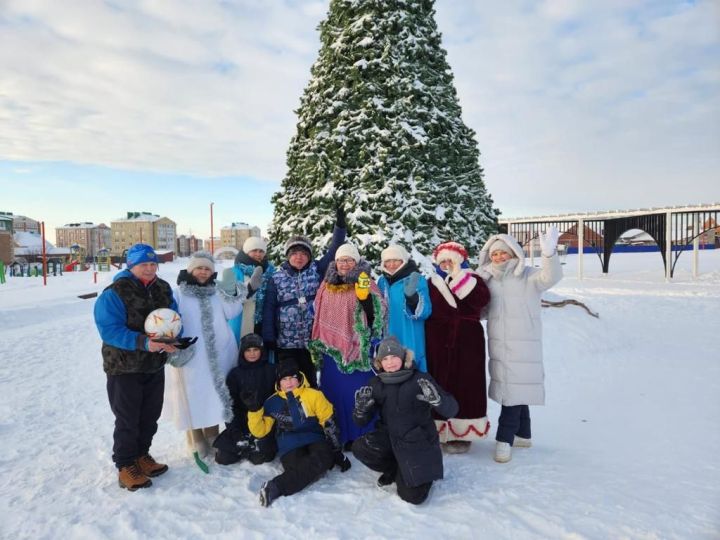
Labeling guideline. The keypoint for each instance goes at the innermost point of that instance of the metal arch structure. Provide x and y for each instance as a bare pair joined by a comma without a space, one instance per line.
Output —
675,229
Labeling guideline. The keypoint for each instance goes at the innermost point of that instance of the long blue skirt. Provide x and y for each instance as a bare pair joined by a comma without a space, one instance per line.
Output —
340,388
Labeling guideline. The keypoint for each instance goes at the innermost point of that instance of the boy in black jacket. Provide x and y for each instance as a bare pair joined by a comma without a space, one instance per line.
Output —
405,446
254,380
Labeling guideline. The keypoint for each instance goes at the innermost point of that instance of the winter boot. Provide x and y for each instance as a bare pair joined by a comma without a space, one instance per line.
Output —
457,447
386,479
268,493
132,478
150,467
503,452
521,442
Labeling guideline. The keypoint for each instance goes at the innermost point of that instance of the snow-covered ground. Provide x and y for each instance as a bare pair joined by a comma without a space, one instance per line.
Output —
626,447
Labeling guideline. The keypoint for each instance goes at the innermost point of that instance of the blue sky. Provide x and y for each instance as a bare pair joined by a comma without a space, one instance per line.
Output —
167,106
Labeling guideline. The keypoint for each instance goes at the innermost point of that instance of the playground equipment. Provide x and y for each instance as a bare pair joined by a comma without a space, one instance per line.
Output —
77,255
2,272
102,260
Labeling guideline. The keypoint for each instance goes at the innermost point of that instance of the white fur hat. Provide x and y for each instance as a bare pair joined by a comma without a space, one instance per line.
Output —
254,242
347,250
500,245
394,252
450,250
201,258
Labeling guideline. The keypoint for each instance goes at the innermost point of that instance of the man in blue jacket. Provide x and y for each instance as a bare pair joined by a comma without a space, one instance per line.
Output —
134,364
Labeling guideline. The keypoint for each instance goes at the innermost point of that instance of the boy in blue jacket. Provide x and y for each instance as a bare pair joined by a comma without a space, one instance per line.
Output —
305,430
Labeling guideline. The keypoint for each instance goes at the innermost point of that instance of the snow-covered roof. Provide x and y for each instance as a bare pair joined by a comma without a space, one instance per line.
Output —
30,240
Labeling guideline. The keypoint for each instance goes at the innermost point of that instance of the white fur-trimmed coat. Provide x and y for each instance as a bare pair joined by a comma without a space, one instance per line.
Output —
514,325
205,400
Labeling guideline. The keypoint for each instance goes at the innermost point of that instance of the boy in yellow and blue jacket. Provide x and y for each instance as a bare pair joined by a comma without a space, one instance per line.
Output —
307,436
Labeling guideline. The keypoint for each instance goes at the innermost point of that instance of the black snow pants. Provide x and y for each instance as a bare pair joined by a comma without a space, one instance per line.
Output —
375,451
136,400
303,466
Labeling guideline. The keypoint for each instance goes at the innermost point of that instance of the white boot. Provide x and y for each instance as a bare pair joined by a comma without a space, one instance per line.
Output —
520,442
503,452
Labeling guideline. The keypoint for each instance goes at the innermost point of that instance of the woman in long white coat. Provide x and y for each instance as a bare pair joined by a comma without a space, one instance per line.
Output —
515,333
196,397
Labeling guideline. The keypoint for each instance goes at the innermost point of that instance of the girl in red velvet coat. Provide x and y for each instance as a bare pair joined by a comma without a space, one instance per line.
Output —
455,343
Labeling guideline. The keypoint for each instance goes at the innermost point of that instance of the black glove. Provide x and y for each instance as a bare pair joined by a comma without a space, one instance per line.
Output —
342,461
178,343
340,221
250,400
364,399
429,394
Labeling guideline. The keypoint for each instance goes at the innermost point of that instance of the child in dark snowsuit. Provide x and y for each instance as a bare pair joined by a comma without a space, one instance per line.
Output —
307,436
405,446
255,377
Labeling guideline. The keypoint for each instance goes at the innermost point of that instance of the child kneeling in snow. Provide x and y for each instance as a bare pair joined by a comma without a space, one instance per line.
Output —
307,436
405,446
256,377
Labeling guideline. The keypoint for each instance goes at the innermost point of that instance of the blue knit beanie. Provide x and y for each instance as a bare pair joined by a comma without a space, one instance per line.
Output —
140,253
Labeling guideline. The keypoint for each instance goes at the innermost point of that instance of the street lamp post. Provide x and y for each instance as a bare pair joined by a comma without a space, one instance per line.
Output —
212,233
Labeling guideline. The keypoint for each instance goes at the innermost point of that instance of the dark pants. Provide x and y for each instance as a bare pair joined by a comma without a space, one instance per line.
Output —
136,400
304,362
234,445
303,466
513,421
375,451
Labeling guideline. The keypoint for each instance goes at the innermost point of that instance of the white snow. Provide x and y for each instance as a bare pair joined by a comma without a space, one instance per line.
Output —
626,447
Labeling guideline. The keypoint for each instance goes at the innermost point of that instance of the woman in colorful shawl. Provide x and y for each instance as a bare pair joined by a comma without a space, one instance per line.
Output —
349,321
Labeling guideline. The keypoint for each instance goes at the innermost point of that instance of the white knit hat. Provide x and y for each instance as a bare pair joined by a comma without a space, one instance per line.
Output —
201,258
394,252
347,250
254,242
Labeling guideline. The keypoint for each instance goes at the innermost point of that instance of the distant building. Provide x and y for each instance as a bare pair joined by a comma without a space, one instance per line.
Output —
236,234
187,245
7,246
90,237
569,238
143,227
24,223
29,247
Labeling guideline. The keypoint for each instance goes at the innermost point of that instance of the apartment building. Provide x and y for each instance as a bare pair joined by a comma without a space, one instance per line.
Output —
143,227
236,234
89,236
187,245
7,246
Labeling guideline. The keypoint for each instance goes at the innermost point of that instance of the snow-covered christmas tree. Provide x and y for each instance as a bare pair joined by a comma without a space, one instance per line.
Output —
380,132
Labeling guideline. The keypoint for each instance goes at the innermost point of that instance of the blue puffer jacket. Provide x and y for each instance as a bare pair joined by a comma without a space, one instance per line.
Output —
288,310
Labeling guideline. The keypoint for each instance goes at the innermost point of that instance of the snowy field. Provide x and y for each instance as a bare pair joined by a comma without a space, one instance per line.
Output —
626,447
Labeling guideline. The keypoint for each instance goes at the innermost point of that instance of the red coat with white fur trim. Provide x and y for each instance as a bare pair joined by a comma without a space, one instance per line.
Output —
455,341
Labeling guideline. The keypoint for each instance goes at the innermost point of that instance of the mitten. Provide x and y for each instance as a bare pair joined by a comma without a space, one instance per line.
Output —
340,221
411,285
429,394
255,279
342,461
548,241
364,399
228,283
362,287
250,400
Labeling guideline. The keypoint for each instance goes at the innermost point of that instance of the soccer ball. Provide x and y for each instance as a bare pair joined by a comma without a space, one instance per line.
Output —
163,323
